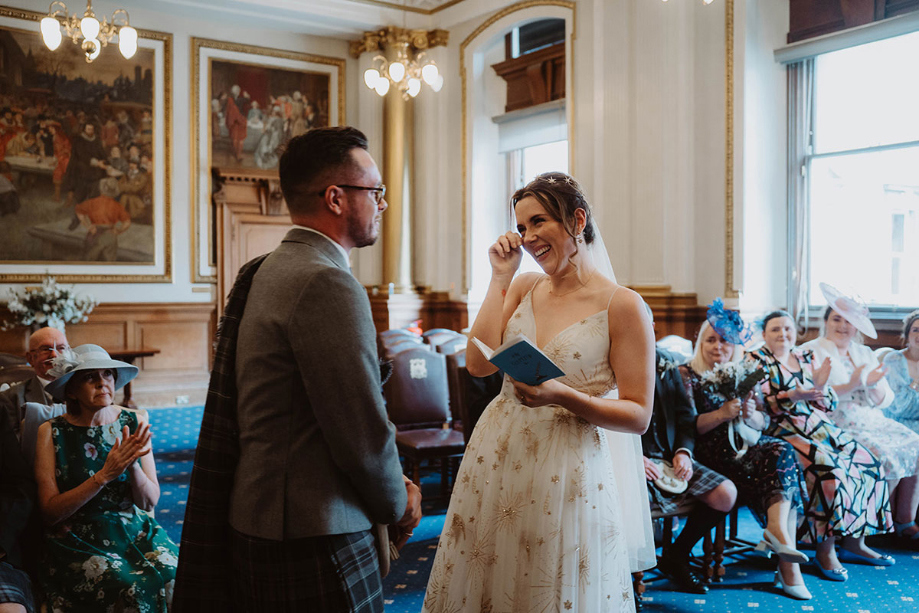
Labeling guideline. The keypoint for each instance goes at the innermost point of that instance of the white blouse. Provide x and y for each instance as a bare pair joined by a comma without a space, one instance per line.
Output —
842,369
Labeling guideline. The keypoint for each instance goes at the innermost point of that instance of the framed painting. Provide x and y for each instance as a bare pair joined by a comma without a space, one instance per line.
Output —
247,103
84,158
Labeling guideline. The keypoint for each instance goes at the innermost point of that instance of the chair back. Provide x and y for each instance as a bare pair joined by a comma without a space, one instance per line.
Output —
434,331
447,344
11,359
398,334
881,352
15,373
392,349
417,394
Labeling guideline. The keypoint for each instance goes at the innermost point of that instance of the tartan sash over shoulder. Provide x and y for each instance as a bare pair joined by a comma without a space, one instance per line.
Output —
203,579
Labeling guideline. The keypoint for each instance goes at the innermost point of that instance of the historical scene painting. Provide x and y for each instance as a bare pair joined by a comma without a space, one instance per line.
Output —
76,151
257,109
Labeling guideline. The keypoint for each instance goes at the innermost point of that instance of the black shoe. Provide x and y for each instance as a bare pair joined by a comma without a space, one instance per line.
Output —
682,575
74,223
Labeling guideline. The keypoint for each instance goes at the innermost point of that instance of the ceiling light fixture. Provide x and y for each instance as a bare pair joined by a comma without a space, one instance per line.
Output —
402,64
95,35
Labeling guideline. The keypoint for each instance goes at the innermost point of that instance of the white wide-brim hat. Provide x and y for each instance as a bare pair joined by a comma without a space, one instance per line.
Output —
853,311
85,357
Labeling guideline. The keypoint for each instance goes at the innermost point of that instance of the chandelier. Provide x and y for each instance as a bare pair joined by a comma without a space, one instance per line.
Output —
95,35
409,67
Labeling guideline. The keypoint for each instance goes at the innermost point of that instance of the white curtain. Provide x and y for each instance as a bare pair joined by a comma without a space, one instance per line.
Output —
800,146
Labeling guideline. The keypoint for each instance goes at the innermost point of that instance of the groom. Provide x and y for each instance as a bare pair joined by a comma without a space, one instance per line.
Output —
317,459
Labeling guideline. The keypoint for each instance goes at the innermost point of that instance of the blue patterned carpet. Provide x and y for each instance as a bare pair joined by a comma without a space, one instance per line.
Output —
747,586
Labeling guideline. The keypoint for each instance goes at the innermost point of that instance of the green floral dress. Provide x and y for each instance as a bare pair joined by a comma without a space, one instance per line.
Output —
109,555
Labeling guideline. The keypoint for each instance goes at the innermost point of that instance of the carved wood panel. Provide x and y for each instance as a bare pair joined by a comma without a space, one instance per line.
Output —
810,18
252,219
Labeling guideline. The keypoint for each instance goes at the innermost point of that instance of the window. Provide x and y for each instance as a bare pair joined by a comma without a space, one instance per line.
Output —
524,164
861,174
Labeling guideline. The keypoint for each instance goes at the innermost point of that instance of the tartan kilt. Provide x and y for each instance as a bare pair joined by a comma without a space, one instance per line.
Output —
15,587
703,480
335,573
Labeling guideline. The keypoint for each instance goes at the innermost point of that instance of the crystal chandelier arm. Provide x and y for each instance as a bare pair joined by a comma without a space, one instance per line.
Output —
123,14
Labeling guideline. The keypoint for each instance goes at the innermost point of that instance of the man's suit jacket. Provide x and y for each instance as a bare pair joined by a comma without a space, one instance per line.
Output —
11,400
673,421
17,495
317,453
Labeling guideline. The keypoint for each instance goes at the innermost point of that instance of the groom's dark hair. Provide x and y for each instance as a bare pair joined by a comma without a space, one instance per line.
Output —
315,160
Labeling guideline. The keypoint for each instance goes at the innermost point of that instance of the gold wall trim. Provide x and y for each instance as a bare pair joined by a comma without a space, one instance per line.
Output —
410,9
166,276
197,192
520,6
729,290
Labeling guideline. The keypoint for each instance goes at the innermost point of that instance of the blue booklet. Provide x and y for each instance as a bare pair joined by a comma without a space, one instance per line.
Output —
522,360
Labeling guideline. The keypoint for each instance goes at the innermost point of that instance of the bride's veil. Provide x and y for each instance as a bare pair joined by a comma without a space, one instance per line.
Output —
625,451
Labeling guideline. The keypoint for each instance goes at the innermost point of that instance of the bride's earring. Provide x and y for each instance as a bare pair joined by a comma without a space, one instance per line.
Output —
580,238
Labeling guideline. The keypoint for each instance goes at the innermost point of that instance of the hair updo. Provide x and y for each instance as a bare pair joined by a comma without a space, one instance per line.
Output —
561,195
908,322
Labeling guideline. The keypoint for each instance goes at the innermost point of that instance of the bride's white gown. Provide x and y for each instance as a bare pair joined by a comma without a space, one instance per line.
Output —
534,523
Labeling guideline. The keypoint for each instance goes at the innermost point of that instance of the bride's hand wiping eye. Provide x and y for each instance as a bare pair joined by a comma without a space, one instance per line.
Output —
505,254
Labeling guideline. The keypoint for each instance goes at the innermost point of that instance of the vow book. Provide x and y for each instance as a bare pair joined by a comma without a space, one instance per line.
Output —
522,360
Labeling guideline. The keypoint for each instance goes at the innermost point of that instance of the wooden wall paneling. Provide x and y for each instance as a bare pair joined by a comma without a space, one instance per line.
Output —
183,332
252,219
534,78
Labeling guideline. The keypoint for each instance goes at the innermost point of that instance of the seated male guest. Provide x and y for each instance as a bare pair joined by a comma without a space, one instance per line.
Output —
670,438
44,345
16,498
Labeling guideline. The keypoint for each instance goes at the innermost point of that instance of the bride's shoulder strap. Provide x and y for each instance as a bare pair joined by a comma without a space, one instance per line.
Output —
610,301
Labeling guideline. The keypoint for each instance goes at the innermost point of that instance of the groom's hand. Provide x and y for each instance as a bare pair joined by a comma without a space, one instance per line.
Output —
412,515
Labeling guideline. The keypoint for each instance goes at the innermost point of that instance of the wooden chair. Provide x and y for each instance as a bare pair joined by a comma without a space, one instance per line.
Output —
713,551
446,344
14,373
417,400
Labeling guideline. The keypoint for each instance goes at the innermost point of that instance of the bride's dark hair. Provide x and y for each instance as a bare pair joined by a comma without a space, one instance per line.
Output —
561,195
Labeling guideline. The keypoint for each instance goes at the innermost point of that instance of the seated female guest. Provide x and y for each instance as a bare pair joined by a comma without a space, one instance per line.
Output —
766,473
94,468
903,376
859,382
847,494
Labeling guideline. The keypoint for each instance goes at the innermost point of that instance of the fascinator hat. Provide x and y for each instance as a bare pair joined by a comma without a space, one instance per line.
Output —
727,323
85,357
851,309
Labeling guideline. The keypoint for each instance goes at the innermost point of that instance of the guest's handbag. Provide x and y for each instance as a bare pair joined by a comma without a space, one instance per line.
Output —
386,548
668,482
729,381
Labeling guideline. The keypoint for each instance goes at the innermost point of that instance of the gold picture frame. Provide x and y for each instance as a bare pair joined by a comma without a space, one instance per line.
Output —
233,127
130,108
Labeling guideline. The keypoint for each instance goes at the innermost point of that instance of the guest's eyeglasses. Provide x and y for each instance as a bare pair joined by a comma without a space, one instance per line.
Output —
378,192
51,349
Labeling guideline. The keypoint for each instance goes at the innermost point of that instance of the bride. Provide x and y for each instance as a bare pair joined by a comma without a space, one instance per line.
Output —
550,510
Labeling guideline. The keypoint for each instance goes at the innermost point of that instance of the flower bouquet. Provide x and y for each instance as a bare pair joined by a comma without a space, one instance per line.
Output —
49,305
732,380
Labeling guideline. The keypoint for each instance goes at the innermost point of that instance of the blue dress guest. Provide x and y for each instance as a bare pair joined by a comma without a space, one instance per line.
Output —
96,477
903,376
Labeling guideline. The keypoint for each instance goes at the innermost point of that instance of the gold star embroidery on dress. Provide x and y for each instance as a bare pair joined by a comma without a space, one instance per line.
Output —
567,605
494,466
577,355
600,486
554,479
480,459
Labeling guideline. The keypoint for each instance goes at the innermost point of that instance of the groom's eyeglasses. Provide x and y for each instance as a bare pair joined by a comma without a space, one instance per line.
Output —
378,192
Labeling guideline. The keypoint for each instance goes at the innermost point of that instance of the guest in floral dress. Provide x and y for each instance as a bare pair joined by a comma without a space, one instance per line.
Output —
847,495
859,382
94,468
903,376
766,474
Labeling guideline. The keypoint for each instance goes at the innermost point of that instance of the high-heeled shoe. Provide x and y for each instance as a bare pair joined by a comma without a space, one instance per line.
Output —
845,555
795,591
770,545
833,574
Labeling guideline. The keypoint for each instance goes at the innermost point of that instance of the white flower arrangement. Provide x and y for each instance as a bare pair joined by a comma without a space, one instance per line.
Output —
49,305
